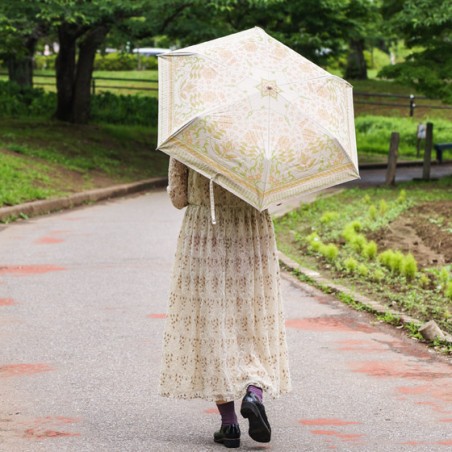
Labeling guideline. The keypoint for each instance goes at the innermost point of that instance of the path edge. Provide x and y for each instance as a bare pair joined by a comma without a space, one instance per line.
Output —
45,206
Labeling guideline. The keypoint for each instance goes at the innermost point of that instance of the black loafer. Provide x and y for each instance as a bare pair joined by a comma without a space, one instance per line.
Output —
229,435
253,409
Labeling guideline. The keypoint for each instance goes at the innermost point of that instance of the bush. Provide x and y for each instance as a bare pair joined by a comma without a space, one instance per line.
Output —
105,107
124,62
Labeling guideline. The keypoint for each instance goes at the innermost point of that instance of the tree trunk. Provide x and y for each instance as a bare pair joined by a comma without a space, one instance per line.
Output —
20,68
65,72
356,63
82,83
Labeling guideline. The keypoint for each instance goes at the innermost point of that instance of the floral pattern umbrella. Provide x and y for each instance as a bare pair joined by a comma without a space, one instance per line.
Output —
256,117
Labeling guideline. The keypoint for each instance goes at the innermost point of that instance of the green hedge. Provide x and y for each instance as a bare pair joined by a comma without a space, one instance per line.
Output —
108,62
105,107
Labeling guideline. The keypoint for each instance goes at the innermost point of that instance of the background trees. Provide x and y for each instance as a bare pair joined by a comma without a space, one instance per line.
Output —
337,32
426,27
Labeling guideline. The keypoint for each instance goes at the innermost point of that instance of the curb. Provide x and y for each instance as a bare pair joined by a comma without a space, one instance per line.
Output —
377,308
52,205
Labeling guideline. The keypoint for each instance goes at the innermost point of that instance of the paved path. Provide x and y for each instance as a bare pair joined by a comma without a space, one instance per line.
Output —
82,303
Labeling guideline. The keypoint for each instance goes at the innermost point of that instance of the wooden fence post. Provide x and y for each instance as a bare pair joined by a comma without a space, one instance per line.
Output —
428,152
392,158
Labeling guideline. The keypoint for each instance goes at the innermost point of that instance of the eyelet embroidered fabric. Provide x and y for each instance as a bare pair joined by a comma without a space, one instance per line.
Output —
225,326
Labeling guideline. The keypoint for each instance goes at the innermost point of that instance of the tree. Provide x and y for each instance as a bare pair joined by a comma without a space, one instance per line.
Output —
425,25
18,39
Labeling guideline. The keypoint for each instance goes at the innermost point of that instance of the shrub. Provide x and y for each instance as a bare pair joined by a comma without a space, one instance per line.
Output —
370,250
408,266
105,107
351,265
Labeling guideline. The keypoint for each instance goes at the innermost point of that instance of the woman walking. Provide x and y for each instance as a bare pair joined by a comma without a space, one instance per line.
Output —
224,338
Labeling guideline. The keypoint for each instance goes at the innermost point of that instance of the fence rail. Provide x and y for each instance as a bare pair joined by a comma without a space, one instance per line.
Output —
410,104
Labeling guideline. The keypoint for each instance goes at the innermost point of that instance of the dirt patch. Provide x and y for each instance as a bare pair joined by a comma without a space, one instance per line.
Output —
424,230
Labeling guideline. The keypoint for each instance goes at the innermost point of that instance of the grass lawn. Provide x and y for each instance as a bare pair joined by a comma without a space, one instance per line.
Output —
344,236
40,158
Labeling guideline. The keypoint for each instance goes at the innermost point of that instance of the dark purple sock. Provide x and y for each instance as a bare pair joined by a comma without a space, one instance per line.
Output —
256,391
227,411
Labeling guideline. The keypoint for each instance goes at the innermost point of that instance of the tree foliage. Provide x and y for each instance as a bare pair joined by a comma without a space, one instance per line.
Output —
426,26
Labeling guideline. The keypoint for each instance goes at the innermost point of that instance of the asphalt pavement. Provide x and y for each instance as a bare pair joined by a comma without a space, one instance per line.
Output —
82,307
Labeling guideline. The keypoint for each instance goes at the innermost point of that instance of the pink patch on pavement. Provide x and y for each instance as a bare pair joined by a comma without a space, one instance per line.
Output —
446,442
397,369
49,240
156,316
331,323
211,411
326,421
342,436
364,346
446,420
16,370
23,270
48,427
6,302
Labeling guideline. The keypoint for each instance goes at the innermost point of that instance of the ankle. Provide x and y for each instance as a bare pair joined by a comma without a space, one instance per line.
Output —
256,391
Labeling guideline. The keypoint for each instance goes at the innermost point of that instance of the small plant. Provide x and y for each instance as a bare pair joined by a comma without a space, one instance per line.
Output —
396,261
424,280
444,276
314,241
402,197
363,270
385,258
329,252
370,250
351,265
329,217
378,275
383,207
448,291
367,199
358,242
408,266
372,212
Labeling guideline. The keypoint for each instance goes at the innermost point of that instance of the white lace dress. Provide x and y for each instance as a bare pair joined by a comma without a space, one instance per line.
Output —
225,326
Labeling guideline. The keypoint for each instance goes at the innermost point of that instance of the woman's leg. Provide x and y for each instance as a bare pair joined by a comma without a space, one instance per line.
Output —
253,409
229,433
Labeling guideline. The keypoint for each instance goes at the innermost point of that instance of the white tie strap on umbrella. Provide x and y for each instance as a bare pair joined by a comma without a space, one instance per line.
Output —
262,120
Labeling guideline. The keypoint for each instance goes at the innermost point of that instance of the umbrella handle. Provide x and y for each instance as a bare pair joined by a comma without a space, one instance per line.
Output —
212,200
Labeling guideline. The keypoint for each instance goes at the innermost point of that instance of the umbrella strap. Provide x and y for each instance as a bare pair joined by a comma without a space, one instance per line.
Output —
212,200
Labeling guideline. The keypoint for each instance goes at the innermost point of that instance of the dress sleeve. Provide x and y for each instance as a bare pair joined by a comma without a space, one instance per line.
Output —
178,183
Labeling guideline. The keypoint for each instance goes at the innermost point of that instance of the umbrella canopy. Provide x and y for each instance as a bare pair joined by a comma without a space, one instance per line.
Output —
261,120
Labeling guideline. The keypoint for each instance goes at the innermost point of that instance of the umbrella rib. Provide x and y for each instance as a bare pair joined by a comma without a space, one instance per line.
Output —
327,76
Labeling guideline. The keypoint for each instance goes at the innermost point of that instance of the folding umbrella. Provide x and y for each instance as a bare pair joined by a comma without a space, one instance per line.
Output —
256,117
